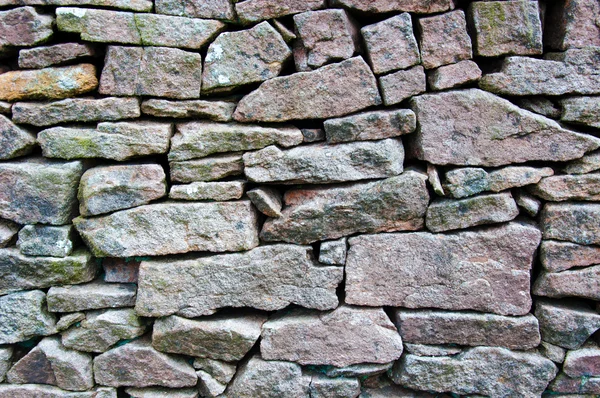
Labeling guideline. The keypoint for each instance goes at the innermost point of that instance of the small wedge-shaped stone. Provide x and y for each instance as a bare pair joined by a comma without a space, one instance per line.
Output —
207,169
213,376
52,363
6,354
23,26
109,188
374,125
137,364
46,391
219,111
38,190
46,240
581,110
312,214
101,329
424,270
324,164
573,72
75,110
584,282
214,9
566,323
117,141
20,272
217,190
574,222
8,230
558,256
48,83
200,139
243,57
250,11
331,91
467,328
222,337
583,362
568,187
90,296
258,378
24,315
490,371
14,141
267,200
169,228
41,57
318,338
385,6
473,127
281,275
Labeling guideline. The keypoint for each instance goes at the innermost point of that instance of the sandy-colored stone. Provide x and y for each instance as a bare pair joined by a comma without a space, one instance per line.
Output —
267,200
41,57
219,111
250,11
568,187
24,315
454,75
584,283
24,26
46,240
219,190
573,222
398,86
444,39
557,256
207,169
375,125
566,323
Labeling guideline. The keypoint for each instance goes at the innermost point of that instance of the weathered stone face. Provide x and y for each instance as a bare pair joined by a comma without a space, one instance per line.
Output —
375,125
444,39
384,6
14,141
567,324
573,222
583,283
24,26
90,296
312,214
282,274
454,75
323,387
267,201
46,240
423,270
558,256
29,390
333,252
568,187
226,190
207,169
583,362
169,228
24,315
579,385
211,9
41,57
249,11
572,25
581,110
219,111
398,86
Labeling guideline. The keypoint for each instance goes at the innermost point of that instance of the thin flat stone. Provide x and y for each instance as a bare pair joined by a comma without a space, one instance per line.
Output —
134,5
207,169
174,31
375,125
385,6
213,9
41,57
568,187
219,190
573,222
431,350
581,110
46,391
557,256
14,141
587,163
161,392
68,320
584,283
90,296
24,315
46,240
218,111
250,11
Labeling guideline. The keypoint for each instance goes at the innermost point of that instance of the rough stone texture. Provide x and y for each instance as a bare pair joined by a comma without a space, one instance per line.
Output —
24,26
267,200
40,390
109,188
100,25
14,141
384,6
444,39
568,187
100,330
68,320
120,270
41,57
90,296
219,111
221,190
173,31
325,387
566,324
506,27
360,370
483,370
431,350
222,337
467,328
558,256
249,11
153,71
24,315
331,91
454,75
281,274
530,204
553,352
327,36
423,270
169,228
75,110
433,177
200,139
583,283
445,215
375,125
322,163
574,222
118,141
207,169
213,376
579,385
249,56
48,83
333,252
8,230
389,390
472,127
161,392
573,72
391,44
212,9
541,105
585,164
583,362
581,110
5,361
46,240
517,176
312,214
52,363
137,364
572,24
268,379
398,86
20,272
315,338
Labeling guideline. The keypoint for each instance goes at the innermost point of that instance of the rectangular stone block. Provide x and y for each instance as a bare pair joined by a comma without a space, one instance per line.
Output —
207,169
573,222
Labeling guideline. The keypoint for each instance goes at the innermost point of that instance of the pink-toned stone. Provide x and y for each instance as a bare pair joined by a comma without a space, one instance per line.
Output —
385,6
375,125
568,187
250,11
398,86
578,386
444,39
557,256
24,26
573,222
584,283
566,323
574,24
41,57
454,75
118,270
583,362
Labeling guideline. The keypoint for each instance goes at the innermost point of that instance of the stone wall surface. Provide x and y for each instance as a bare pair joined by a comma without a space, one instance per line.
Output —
299,198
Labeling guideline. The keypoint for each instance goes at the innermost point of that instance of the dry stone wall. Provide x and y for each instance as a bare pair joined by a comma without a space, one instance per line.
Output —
289,199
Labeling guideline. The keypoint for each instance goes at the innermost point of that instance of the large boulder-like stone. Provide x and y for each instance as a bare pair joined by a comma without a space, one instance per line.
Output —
109,188
467,328
574,222
385,6
218,111
375,125
472,127
424,270
280,275
331,91
342,337
207,169
250,11
14,141
322,163
222,337
568,187
169,228
137,364
566,323
200,139
312,214
24,26
24,315
558,256
57,54
48,83
46,240
583,282
21,272
90,296
489,371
